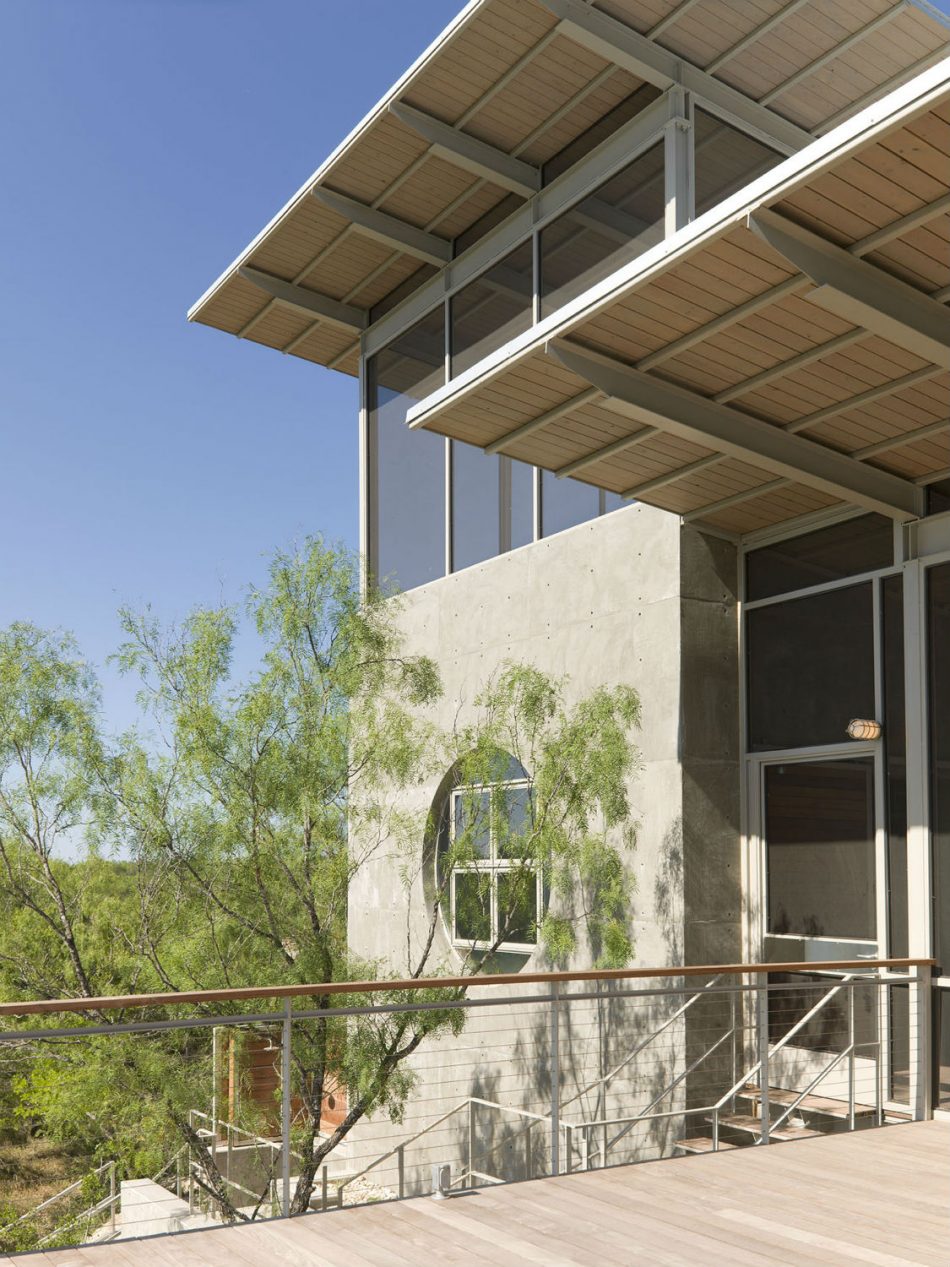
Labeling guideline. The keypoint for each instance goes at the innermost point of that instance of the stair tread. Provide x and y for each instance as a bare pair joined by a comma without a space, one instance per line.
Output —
746,1122
703,1144
811,1103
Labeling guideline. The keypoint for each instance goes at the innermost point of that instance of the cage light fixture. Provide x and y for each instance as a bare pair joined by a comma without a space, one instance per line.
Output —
864,728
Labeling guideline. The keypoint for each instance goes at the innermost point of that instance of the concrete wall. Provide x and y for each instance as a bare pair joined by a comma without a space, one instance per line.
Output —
634,598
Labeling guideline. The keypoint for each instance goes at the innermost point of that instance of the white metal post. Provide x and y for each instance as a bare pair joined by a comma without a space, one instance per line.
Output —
851,1055
677,147
921,1037
763,1018
285,1106
555,1080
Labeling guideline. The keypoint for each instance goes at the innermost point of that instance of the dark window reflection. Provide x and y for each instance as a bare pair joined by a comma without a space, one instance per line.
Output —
620,220
811,668
726,160
492,309
895,761
819,831
830,554
407,468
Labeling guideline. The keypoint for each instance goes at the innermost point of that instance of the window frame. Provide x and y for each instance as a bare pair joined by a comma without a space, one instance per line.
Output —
493,866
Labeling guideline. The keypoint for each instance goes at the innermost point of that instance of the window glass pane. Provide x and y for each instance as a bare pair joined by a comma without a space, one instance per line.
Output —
472,910
938,675
492,309
518,905
565,503
475,505
607,229
811,668
613,501
726,160
938,497
514,820
895,761
522,504
407,504
473,822
830,554
819,830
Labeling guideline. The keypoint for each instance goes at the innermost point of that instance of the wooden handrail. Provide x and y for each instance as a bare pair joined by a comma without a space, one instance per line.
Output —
121,1002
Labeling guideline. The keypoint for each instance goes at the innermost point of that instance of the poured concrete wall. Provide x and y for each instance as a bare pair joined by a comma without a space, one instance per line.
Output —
634,598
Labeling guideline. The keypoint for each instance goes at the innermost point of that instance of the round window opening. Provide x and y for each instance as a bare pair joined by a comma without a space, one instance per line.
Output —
486,873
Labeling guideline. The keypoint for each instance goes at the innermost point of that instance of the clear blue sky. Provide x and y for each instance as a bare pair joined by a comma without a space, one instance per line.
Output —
143,143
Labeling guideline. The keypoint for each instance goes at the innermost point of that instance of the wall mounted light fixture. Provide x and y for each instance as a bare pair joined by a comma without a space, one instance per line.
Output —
862,728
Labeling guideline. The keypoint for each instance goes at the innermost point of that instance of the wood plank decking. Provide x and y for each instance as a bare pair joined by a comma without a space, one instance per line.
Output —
879,1197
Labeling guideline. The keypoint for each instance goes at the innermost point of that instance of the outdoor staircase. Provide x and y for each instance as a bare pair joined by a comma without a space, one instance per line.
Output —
814,1115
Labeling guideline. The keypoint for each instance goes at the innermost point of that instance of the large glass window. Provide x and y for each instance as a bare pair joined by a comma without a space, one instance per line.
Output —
476,506
819,830
864,544
521,478
620,220
938,675
726,160
810,668
492,309
407,468
566,503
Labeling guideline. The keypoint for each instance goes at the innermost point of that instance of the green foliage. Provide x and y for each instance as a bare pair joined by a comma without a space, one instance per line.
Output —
216,845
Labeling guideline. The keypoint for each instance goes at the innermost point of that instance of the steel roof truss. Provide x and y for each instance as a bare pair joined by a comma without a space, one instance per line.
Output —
858,292
653,402
614,41
333,311
469,153
389,230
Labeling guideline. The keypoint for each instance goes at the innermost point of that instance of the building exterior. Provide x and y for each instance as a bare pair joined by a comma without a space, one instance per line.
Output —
648,304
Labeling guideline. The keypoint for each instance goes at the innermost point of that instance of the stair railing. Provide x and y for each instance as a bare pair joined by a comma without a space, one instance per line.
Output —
768,1051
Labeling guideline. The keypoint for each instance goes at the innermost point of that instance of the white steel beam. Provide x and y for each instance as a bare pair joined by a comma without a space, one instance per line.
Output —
616,42
389,230
469,153
333,311
652,402
858,292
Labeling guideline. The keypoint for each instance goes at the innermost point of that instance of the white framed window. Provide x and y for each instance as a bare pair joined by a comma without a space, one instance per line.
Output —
495,888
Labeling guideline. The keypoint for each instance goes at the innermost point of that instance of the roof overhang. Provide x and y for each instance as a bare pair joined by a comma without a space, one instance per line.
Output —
508,84
811,305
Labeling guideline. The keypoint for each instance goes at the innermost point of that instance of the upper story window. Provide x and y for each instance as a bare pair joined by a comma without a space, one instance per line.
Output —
862,544
612,225
726,160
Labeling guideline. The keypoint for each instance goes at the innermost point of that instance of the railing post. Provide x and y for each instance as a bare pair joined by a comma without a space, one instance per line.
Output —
471,1142
921,1073
285,1106
569,1147
401,1168
555,1079
763,1036
851,1055
323,1188
112,1197
585,1156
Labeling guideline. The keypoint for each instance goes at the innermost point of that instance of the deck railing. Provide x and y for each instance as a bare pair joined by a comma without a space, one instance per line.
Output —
549,1073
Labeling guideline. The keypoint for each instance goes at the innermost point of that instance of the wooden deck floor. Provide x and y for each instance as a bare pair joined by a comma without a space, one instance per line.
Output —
878,1197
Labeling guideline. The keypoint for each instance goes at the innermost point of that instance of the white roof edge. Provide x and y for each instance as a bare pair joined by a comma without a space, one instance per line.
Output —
906,102
454,28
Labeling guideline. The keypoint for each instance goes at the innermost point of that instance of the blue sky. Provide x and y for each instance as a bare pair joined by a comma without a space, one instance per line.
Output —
144,142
